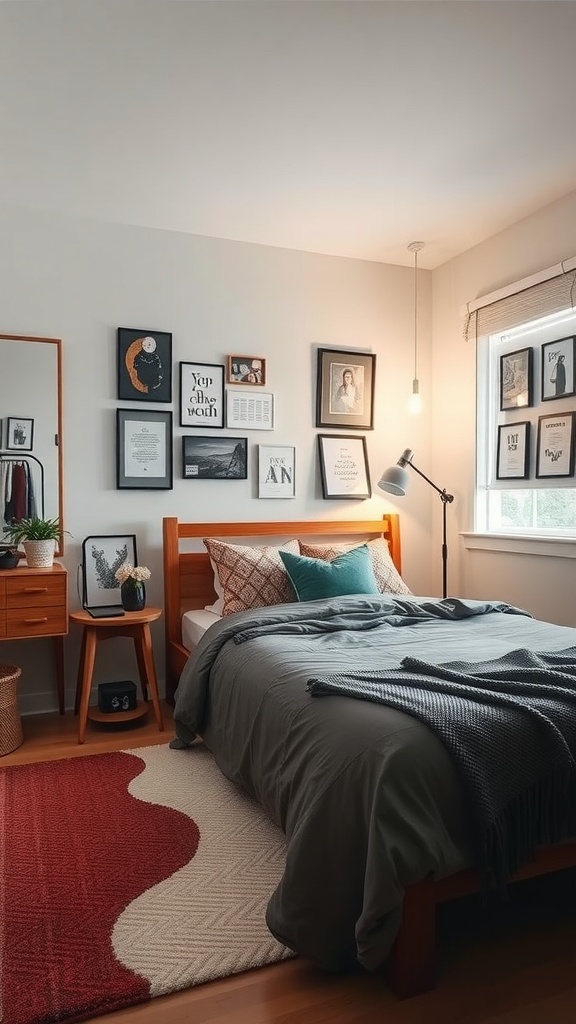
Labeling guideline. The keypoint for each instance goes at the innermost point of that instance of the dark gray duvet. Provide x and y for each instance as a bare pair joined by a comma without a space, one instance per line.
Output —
368,796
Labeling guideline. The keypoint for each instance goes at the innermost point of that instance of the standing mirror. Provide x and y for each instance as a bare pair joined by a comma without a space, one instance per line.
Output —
31,422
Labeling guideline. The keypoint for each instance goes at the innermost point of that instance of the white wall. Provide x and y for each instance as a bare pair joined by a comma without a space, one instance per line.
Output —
79,280
544,585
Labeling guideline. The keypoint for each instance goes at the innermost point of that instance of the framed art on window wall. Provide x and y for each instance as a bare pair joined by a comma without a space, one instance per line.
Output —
516,379
558,379
513,454
345,389
555,452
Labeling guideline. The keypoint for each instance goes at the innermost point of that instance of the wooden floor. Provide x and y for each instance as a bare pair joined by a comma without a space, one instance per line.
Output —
499,965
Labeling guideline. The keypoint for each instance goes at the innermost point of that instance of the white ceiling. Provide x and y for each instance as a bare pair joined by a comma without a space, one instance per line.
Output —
334,126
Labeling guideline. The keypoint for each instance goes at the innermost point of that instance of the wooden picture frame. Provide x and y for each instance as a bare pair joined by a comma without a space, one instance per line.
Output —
344,466
144,449
202,395
249,370
144,365
345,389
516,379
513,451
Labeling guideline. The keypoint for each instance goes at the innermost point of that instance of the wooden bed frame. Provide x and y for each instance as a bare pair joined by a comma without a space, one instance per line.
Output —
188,584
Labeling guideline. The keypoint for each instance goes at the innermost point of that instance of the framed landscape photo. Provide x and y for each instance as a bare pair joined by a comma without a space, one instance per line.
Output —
201,395
144,364
101,557
345,389
516,386
512,460
344,466
19,434
214,458
276,471
558,379
245,370
143,449
555,450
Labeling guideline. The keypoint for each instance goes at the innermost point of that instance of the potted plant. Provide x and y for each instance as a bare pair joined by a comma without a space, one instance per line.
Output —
38,538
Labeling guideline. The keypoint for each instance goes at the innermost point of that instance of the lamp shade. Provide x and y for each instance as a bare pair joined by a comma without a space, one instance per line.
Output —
394,480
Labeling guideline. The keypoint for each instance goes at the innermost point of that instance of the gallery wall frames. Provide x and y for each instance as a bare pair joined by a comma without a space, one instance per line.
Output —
345,389
555,448
19,434
516,379
214,458
276,471
144,365
344,466
513,455
201,395
558,378
249,410
245,370
143,449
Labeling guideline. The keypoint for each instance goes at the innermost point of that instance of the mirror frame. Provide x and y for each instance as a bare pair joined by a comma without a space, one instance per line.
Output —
59,551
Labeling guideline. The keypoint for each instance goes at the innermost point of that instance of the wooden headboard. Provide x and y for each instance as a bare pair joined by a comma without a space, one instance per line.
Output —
188,577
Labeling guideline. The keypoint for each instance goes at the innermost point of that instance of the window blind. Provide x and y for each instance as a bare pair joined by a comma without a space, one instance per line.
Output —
523,306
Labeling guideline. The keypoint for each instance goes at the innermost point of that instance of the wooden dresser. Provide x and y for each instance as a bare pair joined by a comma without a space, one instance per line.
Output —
34,603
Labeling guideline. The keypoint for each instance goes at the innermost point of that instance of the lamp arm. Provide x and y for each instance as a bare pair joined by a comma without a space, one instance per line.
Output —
441,490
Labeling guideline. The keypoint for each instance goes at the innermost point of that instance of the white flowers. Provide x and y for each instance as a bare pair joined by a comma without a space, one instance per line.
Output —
139,573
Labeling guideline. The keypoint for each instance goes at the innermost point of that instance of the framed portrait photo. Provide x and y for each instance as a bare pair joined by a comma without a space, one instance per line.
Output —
558,369
144,365
513,455
344,466
345,389
276,471
101,557
214,458
245,370
201,395
516,389
143,449
555,450
19,434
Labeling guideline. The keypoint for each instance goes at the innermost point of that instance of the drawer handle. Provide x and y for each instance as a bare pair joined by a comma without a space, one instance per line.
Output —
35,590
35,622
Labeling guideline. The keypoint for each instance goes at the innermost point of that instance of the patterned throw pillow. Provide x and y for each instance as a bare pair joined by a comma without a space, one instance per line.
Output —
387,576
249,577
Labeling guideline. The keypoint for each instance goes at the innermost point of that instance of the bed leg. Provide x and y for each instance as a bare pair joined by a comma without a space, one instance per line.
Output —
411,964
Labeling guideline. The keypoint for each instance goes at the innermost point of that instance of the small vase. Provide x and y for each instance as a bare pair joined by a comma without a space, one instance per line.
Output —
133,596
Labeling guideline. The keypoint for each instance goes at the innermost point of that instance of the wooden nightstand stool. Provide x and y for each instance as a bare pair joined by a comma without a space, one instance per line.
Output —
132,624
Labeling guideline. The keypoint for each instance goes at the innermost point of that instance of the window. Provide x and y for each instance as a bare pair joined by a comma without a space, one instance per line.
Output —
507,501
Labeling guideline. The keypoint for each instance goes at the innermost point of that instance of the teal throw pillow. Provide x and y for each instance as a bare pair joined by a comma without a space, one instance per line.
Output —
349,573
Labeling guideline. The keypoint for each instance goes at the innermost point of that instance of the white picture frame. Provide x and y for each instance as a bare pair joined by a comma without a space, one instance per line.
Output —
276,471
249,410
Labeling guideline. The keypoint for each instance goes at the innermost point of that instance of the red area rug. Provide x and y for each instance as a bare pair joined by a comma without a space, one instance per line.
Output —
125,876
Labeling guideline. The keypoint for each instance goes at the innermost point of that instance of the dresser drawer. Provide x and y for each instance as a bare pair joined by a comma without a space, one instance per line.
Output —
36,621
37,591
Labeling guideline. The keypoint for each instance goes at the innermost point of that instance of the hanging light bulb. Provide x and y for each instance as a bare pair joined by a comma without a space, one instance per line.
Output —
415,403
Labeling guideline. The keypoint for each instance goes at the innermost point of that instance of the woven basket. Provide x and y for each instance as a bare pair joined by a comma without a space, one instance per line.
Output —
11,735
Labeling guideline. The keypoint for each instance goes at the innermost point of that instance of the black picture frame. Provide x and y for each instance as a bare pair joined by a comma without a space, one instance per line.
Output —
345,389
144,449
513,452
555,447
558,377
101,556
344,466
516,379
202,395
214,458
144,365
19,434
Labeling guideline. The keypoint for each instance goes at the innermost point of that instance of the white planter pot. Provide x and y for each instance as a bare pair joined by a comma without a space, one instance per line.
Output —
39,553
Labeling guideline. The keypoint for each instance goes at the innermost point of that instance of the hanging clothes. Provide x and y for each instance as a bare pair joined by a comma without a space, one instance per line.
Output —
17,492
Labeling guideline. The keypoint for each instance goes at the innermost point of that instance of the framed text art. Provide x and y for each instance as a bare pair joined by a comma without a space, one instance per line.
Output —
558,379
144,365
555,450
143,449
245,370
516,379
201,395
276,471
19,434
214,458
513,455
345,389
249,410
344,466
101,557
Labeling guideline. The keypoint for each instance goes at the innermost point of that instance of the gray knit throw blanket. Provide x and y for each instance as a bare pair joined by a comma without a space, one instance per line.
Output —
510,726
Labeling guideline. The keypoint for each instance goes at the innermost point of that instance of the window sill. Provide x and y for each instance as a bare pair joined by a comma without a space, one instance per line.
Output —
554,547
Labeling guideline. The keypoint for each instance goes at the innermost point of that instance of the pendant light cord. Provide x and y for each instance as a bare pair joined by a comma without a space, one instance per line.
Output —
415,247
